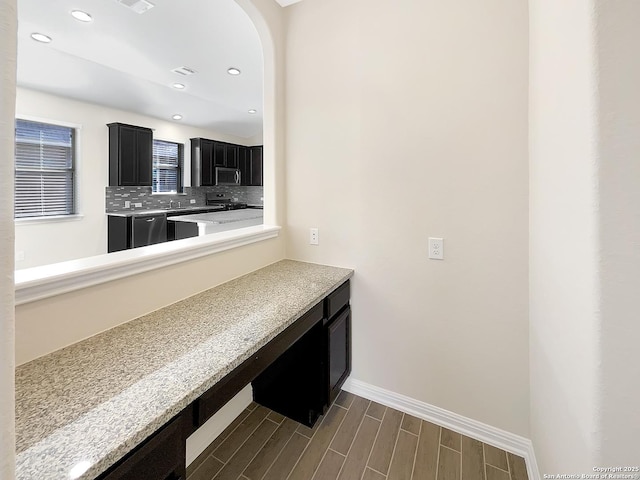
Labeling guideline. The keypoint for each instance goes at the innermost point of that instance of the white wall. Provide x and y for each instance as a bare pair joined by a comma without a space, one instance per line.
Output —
619,168
53,323
585,233
405,120
564,313
8,30
87,236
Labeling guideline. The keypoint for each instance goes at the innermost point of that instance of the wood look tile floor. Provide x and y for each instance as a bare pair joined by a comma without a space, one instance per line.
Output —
355,440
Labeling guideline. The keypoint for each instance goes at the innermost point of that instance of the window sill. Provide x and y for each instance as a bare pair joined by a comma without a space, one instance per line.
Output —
51,219
49,280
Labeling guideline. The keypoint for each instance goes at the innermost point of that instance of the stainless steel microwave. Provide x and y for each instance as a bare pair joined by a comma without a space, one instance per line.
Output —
227,176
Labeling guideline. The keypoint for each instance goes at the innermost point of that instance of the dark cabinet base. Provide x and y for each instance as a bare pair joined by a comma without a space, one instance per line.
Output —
292,385
303,382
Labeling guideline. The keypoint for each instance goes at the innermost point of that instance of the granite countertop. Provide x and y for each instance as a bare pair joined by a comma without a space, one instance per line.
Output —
141,212
220,217
82,408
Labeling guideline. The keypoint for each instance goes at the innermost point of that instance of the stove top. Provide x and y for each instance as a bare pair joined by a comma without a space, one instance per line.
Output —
214,201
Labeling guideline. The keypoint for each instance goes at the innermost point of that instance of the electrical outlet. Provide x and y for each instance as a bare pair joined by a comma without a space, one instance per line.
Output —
436,248
193,200
313,236
138,205
127,204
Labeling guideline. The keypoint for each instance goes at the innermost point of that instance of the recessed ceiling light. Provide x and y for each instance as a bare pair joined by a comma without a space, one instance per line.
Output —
252,111
81,16
233,71
177,116
41,37
178,86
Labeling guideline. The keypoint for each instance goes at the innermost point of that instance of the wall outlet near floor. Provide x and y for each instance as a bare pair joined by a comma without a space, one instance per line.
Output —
193,200
436,248
313,236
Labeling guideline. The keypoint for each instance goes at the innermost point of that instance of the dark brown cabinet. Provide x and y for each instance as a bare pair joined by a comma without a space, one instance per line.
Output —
130,155
251,166
231,153
207,154
304,381
338,333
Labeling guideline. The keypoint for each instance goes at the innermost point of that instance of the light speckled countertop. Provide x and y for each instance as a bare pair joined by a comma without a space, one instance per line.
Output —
220,217
92,402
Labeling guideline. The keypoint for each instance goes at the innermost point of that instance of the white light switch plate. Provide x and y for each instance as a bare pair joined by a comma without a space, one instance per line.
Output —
436,248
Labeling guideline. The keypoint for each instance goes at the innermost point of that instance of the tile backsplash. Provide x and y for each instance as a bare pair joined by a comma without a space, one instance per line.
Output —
116,196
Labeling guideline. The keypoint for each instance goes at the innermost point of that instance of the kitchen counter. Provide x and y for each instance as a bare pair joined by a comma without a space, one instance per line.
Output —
220,217
215,222
80,409
168,211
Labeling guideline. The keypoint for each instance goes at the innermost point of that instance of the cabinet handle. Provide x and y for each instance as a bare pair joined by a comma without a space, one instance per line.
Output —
151,219
239,177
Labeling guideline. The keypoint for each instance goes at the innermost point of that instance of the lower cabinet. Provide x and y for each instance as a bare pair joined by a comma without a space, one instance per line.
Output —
304,381
135,231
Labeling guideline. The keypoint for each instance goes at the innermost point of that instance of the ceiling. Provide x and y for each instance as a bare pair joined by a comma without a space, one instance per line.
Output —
123,59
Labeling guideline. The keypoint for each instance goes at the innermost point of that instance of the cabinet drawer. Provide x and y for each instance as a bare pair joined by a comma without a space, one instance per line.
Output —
337,300
162,456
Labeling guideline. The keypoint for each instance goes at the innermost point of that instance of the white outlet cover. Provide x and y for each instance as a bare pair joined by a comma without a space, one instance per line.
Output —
436,248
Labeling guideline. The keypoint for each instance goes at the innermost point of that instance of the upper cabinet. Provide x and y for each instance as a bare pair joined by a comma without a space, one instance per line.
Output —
130,155
207,154
251,165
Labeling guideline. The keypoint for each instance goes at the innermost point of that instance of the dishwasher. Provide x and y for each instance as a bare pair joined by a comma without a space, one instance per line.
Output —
148,230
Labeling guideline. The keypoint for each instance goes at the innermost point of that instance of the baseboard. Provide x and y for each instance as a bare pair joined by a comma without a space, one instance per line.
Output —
507,441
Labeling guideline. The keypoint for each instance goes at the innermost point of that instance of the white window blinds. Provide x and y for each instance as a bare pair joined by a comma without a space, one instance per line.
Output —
167,167
44,170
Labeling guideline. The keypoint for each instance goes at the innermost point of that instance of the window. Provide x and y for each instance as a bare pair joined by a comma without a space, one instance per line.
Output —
44,170
167,167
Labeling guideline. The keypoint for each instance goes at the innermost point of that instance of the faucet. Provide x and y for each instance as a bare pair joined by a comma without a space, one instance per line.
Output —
170,204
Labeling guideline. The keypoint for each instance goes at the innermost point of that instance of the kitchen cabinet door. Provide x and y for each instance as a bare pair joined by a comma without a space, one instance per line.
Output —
219,154
206,166
250,165
202,167
338,339
130,155
231,155
256,166
244,164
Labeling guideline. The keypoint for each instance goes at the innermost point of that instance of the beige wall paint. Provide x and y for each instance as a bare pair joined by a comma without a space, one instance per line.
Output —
87,236
53,323
619,111
405,120
8,30
585,233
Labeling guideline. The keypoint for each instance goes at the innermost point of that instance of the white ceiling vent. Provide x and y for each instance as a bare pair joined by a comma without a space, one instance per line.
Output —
183,71
138,6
